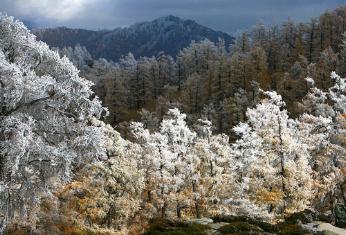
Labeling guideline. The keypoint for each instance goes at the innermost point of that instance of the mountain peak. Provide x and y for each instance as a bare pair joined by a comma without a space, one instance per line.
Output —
169,34
175,20
170,18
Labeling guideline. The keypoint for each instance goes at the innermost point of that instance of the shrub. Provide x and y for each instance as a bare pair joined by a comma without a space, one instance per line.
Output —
240,227
167,227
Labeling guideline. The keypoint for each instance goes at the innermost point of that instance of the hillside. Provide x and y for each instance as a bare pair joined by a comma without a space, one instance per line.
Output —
168,34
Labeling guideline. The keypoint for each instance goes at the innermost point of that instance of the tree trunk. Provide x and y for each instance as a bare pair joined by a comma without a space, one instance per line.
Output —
282,163
163,210
197,210
179,211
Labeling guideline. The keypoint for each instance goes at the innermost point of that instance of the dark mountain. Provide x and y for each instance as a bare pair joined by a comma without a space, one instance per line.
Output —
30,24
168,34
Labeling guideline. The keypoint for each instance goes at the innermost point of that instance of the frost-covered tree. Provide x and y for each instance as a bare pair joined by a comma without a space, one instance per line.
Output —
328,105
341,66
186,172
45,121
163,154
249,164
326,64
196,57
317,133
106,194
337,94
211,171
273,161
78,55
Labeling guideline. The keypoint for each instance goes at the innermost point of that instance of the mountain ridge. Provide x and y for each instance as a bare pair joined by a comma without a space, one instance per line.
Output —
169,34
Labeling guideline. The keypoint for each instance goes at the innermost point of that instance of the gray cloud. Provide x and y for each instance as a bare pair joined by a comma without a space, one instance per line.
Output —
225,15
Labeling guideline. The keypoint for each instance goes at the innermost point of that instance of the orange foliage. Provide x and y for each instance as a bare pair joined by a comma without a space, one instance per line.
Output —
269,197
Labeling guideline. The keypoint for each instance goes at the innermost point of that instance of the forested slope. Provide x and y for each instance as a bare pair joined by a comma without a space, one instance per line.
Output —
206,80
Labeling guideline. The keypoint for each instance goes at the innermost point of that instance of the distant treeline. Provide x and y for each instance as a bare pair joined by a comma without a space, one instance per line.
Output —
206,80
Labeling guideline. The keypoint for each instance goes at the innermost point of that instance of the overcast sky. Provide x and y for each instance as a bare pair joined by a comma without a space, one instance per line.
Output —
226,15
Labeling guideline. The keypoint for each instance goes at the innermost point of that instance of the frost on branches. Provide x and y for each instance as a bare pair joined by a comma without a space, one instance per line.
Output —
45,121
163,159
106,195
272,170
326,115
185,171
274,159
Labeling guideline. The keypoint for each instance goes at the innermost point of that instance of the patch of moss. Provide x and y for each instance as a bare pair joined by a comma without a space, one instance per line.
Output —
293,229
167,227
263,225
240,228
306,216
328,218
17,231
291,224
62,229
